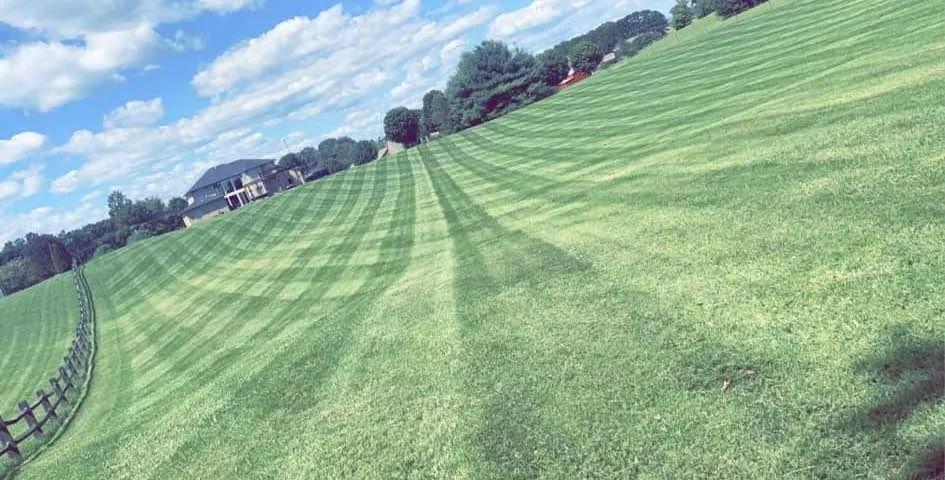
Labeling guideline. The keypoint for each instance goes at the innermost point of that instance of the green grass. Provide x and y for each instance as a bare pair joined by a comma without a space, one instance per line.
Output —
560,293
36,328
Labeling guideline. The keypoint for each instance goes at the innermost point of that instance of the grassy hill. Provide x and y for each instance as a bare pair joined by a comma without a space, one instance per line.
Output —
36,328
560,293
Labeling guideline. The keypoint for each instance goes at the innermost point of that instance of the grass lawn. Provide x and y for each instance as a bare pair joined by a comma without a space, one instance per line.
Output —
36,328
560,293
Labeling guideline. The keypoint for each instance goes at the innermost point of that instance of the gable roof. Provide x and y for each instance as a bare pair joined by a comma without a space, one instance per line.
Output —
222,172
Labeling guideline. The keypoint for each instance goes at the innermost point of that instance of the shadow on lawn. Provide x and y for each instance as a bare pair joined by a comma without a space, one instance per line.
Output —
505,367
910,377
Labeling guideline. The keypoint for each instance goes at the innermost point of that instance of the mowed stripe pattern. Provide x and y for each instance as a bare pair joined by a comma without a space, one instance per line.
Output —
559,293
36,328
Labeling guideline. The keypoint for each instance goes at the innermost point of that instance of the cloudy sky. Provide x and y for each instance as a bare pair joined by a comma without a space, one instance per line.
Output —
143,95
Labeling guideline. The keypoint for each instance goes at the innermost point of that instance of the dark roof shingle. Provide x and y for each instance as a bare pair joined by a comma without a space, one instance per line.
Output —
222,172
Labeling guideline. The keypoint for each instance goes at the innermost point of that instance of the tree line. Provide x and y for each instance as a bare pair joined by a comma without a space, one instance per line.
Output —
493,79
332,156
29,260
685,11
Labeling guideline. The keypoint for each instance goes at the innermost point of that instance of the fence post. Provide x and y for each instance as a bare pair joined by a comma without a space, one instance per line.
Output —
7,443
56,388
31,419
47,405
66,381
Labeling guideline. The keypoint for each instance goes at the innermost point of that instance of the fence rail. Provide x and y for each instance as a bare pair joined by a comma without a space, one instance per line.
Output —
61,398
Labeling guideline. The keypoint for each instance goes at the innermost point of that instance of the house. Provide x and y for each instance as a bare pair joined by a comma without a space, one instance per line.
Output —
232,185
610,57
573,79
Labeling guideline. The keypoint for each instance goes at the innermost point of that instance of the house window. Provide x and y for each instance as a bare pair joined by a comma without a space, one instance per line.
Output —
233,185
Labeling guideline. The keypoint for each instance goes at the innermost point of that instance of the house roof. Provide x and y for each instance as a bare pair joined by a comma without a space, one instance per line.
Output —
227,170
190,208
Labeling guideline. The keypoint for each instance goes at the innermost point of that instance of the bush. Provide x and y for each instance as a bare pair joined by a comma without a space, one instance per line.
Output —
682,15
103,249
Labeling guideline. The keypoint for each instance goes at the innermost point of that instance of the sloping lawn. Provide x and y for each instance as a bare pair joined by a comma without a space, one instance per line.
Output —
562,293
37,326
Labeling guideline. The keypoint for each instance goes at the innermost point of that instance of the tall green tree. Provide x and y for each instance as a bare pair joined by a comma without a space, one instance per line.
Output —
704,8
682,15
554,66
367,151
586,56
118,206
491,81
436,112
641,22
291,160
309,158
402,125
606,36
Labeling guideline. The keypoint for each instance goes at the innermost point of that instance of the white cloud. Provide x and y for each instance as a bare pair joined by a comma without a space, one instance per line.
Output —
227,6
91,196
560,20
50,220
182,42
46,75
359,124
22,183
331,45
135,113
300,68
537,13
81,47
20,145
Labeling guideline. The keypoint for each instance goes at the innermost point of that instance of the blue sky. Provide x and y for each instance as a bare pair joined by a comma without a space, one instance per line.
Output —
143,95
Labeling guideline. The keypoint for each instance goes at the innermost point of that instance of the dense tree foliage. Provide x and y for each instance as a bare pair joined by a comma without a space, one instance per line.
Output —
491,81
704,8
585,57
436,112
729,8
367,152
644,21
29,260
291,160
554,66
402,125
682,15
337,154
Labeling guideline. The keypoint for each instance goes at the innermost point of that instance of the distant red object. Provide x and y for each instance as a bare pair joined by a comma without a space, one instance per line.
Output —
573,79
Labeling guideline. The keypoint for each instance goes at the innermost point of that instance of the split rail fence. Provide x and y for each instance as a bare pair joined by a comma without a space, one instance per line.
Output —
55,404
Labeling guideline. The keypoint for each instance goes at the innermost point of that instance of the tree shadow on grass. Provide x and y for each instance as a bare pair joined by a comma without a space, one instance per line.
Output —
503,365
911,377
917,371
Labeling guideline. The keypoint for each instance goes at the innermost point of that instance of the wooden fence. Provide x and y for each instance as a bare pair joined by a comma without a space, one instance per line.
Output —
53,405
